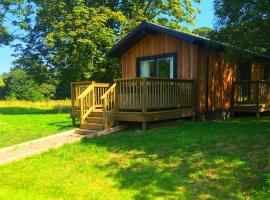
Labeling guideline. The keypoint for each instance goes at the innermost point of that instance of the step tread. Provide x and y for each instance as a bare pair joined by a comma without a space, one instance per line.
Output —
98,110
94,117
94,124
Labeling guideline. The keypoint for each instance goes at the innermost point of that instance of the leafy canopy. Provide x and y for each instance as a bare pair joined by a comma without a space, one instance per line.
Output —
244,24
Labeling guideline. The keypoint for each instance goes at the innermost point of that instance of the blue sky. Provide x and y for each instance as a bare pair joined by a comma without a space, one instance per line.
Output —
205,19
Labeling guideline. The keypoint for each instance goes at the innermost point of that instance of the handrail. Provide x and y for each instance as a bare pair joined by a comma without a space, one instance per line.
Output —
86,91
108,91
154,78
108,100
89,99
250,92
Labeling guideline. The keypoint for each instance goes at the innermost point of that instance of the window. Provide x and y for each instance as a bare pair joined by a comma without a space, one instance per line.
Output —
244,71
162,66
266,73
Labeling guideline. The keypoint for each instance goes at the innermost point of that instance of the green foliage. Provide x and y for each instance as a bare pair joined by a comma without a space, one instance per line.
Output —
244,25
15,13
19,85
2,84
70,38
202,31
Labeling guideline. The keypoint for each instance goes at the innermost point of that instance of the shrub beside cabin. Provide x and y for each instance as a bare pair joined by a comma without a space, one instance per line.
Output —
169,74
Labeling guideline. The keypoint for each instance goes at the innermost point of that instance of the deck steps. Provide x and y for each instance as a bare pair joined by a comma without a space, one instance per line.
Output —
92,126
97,120
87,132
93,123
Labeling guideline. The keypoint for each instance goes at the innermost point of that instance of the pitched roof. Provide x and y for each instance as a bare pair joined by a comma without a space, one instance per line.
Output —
145,28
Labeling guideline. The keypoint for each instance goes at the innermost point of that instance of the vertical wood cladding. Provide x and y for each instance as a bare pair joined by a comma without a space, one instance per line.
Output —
191,64
221,76
187,55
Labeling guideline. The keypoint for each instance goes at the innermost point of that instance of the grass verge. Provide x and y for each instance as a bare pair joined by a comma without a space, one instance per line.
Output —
211,160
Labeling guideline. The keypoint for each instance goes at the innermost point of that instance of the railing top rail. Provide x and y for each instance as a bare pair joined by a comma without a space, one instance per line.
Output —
127,79
251,81
82,82
153,78
108,91
101,84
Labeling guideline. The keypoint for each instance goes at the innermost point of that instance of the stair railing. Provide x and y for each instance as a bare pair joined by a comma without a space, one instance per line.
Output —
108,100
86,102
89,99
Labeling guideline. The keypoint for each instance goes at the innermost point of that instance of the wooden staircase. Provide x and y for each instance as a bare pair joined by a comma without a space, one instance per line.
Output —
93,105
93,122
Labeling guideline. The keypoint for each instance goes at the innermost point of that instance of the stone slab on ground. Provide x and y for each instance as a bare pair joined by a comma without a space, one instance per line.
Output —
26,149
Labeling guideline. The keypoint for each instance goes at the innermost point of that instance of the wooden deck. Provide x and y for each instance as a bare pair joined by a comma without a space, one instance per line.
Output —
135,100
251,97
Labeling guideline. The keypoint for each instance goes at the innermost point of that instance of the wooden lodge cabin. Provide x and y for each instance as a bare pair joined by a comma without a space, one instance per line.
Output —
168,74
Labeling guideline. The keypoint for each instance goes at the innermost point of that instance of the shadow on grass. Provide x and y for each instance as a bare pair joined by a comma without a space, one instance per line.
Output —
212,160
63,125
30,110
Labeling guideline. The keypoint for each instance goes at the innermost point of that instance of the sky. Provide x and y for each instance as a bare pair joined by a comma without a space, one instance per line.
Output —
205,19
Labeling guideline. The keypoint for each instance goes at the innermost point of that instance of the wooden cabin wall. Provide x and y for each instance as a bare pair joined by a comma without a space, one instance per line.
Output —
221,75
162,44
201,82
220,78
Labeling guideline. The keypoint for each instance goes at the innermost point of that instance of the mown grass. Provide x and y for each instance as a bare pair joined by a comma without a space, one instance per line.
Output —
211,160
24,121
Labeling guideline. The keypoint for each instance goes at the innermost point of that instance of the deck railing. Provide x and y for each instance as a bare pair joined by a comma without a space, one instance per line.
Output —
251,92
89,99
76,89
154,94
108,100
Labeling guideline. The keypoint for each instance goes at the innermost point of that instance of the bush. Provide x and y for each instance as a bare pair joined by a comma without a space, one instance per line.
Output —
19,85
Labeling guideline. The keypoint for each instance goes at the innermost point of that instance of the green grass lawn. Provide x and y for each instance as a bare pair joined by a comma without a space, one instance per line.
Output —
20,124
211,160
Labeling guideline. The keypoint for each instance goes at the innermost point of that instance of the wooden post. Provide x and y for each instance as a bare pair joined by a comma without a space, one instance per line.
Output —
72,102
144,101
81,112
144,126
93,92
194,95
232,100
105,117
73,121
116,102
72,96
257,99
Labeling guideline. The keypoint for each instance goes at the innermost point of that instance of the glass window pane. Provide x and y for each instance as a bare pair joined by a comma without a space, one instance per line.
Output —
147,68
165,67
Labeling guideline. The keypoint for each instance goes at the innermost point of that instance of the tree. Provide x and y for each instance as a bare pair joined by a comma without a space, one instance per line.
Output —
202,31
15,13
70,38
244,25
19,85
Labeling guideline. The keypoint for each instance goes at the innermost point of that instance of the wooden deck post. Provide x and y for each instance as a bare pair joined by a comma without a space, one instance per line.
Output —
232,100
73,121
144,126
144,101
257,99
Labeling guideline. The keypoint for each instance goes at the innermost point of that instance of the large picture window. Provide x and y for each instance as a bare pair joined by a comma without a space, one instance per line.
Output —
162,66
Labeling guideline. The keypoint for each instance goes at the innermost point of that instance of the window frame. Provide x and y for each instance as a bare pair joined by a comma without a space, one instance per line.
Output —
264,72
155,58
